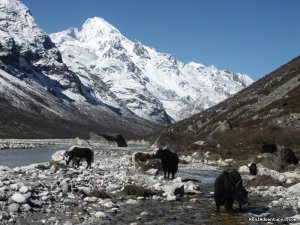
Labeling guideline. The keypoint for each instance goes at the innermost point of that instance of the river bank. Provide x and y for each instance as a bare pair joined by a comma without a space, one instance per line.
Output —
40,194
30,143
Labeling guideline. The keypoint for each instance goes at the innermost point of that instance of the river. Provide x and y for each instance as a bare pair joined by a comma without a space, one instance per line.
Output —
23,157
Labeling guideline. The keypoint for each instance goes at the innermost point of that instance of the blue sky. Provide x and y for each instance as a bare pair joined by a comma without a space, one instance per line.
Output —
249,36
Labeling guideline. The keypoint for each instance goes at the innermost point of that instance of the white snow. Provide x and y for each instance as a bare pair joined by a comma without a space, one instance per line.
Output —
112,70
140,77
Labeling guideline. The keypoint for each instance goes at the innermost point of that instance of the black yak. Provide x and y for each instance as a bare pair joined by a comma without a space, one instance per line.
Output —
289,156
268,148
253,169
169,161
77,153
229,187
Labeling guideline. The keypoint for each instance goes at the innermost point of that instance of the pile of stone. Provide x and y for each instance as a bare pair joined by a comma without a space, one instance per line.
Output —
59,195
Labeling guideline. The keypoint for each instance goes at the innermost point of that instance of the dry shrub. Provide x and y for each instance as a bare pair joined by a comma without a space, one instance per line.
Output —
139,191
98,193
43,166
280,136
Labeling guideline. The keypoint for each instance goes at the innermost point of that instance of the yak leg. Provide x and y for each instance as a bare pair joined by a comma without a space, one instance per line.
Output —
68,161
218,207
173,175
77,162
89,164
219,200
240,205
228,204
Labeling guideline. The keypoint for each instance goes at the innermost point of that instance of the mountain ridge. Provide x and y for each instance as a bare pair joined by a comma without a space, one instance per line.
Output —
35,83
265,112
165,86
82,94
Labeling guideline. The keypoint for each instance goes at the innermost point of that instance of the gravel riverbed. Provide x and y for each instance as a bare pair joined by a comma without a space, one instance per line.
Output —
45,194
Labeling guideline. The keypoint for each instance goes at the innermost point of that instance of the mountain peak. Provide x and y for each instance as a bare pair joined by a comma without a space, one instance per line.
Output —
153,85
98,27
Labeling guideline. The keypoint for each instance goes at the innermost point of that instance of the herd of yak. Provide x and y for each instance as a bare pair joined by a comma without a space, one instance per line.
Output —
228,185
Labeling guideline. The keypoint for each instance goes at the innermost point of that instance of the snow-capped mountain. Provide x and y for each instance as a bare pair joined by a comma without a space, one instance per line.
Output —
151,84
95,79
40,96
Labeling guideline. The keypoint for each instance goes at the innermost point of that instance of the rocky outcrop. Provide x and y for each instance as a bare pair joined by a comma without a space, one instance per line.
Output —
108,139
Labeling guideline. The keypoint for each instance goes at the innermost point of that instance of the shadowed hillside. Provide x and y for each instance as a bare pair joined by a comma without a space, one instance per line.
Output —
268,111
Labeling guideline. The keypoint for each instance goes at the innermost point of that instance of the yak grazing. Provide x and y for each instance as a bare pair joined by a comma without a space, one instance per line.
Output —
77,153
169,161
253,169
288,156
229,187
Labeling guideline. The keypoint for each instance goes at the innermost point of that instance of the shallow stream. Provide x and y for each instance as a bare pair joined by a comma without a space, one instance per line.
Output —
191,209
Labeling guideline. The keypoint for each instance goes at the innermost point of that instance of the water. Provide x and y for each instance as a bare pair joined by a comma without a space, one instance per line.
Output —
23,157
197,209
201,211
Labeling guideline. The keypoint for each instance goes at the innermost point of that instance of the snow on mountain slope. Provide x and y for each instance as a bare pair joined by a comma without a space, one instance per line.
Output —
153,85
27,51
39,91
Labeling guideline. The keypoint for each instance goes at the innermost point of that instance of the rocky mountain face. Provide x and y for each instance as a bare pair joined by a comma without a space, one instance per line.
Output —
268,111
151,84
95,80
40,95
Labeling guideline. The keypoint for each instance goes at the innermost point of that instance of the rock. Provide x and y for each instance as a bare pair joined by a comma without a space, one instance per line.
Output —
144,213
44,193
24,189
79,142
190,186
171,198
19,198
152,172
58,157
100,215
35,203
264,180
22,221
68,223
26,207
15,187
111,138
131,202
112,187
14,207
228,161
244,169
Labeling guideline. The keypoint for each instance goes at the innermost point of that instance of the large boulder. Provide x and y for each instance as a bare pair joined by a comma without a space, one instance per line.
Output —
108,139
279,161
58,157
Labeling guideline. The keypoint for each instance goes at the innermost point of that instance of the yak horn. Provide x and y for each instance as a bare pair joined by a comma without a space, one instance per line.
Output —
237,184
